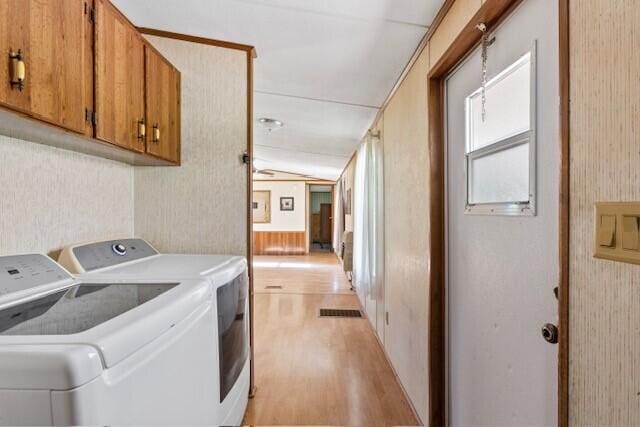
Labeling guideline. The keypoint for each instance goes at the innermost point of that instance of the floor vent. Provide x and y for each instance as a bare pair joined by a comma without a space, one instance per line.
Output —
273,287
333,312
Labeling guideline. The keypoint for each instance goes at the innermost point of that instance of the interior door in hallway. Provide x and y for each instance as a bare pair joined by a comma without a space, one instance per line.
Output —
325,223
502,179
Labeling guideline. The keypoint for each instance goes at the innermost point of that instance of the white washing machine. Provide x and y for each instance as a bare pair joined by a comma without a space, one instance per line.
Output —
103,352
135,259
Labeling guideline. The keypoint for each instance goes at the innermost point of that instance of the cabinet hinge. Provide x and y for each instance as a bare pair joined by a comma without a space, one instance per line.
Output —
90,11
91,116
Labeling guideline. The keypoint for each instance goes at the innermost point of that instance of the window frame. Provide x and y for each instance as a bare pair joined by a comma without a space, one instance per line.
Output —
511,208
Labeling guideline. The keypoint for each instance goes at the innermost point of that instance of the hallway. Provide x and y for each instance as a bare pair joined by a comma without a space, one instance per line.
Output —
311,370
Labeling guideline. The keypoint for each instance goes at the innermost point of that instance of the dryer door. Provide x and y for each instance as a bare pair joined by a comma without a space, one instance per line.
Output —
233,331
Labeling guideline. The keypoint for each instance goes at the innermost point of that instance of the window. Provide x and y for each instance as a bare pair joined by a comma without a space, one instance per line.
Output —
500,148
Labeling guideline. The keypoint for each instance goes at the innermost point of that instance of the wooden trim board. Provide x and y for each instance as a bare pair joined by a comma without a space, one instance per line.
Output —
307,218
436,359
250,56
202,40
564,220
306,181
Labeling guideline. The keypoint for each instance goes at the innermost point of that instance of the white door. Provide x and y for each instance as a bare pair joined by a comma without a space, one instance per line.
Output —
502,225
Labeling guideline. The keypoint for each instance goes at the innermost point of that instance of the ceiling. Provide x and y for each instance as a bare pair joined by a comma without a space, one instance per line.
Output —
324,67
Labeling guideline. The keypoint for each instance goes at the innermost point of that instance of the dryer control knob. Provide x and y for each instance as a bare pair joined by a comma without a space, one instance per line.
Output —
119,249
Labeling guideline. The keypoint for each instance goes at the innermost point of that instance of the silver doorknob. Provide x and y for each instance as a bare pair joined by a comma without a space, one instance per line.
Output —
550,333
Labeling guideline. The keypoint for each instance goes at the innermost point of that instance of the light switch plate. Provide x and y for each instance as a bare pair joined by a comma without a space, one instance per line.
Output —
617,231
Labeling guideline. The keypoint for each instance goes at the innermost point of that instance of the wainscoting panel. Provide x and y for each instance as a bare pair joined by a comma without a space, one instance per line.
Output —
279,243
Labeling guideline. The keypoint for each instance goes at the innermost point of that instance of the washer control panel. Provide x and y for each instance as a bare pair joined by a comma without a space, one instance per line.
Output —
111,253
20,272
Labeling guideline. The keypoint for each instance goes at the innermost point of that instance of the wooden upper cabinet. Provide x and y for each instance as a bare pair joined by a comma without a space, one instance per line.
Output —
119,79
163,106
82,66
54,40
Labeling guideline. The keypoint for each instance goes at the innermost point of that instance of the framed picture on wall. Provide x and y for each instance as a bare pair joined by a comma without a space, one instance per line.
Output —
262,207
286,203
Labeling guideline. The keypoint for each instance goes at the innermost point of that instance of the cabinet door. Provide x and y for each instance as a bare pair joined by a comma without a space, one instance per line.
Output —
119,79
54,38
163,106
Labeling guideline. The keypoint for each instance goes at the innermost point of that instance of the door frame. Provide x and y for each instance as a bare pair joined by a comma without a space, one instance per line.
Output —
308,214
491,13
247,158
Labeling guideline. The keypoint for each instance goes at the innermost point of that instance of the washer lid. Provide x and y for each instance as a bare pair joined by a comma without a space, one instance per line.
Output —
116,318
77,308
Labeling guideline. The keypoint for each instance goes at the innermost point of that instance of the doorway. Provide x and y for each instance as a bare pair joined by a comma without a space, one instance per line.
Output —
502,157
320,218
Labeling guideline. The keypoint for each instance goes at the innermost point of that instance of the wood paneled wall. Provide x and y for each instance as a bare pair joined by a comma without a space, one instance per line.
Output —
279,243
604,342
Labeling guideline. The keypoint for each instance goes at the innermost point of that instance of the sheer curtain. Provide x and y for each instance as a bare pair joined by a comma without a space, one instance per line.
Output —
368,227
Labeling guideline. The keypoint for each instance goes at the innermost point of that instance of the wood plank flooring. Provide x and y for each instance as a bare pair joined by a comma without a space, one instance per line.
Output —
317,273
313,371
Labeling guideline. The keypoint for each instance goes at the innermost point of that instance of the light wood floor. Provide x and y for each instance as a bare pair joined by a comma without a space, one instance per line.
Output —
318,273
313,371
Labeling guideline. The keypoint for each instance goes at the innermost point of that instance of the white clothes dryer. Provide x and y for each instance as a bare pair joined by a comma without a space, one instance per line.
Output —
127,259
103,352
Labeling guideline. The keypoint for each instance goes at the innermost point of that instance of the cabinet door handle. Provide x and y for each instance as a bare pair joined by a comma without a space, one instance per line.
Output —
156,133
142,129
18,69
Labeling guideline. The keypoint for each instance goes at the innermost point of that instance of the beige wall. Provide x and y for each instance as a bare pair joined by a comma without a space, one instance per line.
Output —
604,365
201,206
406,234
295,220
53,197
